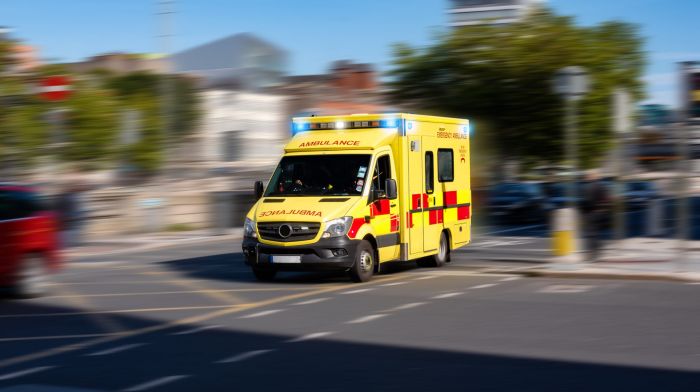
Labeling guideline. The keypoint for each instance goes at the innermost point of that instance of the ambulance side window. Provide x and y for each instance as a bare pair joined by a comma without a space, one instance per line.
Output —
382,171
429,180
445,165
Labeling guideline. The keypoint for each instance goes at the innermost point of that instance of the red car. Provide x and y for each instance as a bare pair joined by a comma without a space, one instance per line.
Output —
29,247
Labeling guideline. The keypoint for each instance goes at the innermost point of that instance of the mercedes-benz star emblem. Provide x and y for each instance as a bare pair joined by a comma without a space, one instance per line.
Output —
285,231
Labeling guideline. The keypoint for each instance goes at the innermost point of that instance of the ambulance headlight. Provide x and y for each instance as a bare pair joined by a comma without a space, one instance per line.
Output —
249,229
337,227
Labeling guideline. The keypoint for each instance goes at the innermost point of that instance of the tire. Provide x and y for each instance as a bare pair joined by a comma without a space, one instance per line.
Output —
363,268
31,279
264,275
440,258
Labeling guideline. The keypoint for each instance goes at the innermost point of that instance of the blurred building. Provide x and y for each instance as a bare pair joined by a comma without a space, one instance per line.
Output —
121,63
478,12
242,61
347,88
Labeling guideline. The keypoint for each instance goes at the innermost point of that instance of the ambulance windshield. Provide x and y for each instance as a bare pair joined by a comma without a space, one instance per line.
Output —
320,175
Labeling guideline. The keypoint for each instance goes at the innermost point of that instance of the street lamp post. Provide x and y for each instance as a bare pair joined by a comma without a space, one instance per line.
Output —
572,84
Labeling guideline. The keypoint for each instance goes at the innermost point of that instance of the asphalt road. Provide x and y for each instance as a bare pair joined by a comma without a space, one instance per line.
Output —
192,318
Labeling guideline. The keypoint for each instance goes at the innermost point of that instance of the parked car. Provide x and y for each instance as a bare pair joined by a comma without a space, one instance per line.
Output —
518,202
638,194
29,247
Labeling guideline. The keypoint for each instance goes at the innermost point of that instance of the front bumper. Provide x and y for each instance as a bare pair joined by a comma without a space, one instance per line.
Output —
331,254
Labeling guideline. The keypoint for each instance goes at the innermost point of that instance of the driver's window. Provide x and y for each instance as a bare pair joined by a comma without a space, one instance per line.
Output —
382,171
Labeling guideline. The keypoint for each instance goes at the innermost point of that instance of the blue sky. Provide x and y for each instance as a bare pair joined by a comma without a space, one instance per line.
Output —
316,32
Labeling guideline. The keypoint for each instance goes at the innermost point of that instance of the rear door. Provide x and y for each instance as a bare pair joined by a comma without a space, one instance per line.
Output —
414,216
432,196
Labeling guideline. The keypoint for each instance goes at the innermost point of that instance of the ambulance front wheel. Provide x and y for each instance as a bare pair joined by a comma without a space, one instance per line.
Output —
363,268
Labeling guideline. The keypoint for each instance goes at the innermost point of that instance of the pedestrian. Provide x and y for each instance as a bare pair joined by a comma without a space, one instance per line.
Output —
596,210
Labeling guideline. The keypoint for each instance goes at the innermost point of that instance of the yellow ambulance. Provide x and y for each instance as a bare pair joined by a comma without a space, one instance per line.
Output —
354,192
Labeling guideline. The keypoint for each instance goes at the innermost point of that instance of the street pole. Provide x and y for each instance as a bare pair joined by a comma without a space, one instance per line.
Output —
621,128
166,12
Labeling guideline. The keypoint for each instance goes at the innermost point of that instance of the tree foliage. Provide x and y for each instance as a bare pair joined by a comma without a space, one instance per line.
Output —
501,76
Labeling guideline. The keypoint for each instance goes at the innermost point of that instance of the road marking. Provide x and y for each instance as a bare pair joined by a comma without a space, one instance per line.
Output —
392,284
483,286
407,306
261,314
356,291
310,336
510,278
115,350
244,356
447,295
116,311
25,372
366,319
102,283
565,289
174,323
195,330
426,277
56,337
311,301
175,292
155,383
510,230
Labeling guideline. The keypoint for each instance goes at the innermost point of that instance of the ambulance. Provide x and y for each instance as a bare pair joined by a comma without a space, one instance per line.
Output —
352,193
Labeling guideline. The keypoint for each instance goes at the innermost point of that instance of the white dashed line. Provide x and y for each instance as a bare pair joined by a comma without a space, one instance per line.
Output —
261,314
244,356
447,295
365,319
311,301
510,278
155,383
115,350
482,286
356,291
195,330
24,372
407,306
565,289
426,277
310,336
392,284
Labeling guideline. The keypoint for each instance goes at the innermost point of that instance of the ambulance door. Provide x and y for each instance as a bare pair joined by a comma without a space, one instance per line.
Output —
414,215
432,196
384,213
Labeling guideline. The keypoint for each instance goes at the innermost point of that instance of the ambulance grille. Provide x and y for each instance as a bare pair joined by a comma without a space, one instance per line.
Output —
300,231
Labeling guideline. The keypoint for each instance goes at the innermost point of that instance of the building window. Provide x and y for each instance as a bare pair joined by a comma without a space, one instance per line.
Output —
429,180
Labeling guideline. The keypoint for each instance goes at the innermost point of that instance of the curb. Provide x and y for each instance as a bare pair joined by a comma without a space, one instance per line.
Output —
153,246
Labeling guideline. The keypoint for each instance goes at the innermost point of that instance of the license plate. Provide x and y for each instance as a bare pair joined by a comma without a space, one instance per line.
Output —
286,259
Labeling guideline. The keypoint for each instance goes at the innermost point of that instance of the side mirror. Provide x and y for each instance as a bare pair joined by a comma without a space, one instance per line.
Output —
391,192
258,190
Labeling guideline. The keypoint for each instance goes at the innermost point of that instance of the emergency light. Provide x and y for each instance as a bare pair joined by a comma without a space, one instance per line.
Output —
337,125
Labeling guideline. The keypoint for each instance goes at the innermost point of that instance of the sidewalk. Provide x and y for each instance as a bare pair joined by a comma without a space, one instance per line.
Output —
634,258
144,242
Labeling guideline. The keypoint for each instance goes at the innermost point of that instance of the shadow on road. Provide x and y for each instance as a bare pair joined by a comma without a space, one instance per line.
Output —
327,364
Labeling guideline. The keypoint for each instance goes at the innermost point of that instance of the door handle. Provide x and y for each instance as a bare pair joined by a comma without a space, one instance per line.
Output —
393,205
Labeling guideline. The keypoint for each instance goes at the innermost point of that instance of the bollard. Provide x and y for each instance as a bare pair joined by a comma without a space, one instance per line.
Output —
655,224
564,234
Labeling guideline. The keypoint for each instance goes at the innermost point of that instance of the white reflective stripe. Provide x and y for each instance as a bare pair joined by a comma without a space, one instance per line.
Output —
54,89
261,314
447,295
365,319
310,336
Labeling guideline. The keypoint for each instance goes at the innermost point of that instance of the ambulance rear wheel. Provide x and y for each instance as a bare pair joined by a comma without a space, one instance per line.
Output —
440,258
363,268
264,275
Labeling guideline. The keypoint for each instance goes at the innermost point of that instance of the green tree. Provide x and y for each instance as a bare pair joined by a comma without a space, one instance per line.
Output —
500,77
143,92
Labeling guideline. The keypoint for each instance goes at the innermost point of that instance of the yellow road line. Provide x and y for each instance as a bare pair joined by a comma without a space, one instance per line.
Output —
179,292
174,323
